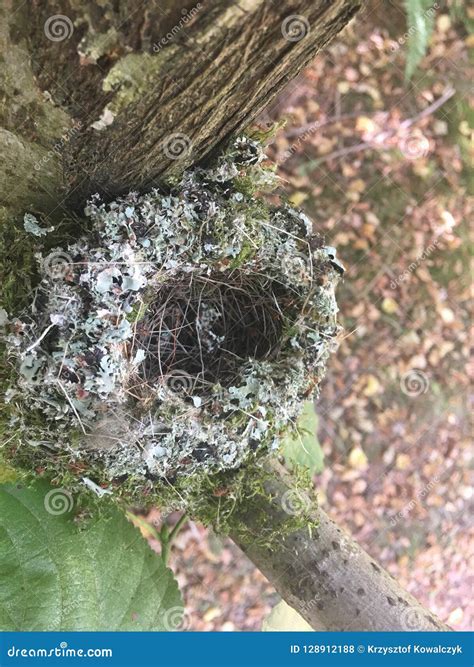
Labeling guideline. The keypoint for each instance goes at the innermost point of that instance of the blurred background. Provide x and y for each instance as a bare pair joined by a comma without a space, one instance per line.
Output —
376,151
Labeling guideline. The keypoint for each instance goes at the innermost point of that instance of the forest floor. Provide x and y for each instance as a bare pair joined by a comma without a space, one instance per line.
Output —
380,166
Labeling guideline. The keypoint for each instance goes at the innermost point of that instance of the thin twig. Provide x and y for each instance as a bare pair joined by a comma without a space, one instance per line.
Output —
382,137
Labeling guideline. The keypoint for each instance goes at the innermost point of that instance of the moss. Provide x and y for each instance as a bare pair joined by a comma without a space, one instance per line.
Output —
18,270
18,263
257,516
17,278
7,473
240,502
137,313
24,110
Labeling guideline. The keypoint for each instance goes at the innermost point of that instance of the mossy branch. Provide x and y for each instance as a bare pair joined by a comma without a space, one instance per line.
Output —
318,569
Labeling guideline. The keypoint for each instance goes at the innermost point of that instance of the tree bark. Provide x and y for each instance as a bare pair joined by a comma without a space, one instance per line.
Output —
135,82
93,109
322,573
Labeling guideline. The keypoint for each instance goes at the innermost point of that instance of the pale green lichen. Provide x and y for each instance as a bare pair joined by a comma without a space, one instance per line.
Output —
94,45
174,342
129,78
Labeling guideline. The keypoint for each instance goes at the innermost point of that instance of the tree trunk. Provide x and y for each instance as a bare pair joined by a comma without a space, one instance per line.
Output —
140,94
111,97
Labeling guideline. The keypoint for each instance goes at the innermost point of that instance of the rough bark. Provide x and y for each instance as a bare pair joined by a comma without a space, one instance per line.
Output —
91,112
235,64
128,89
321,572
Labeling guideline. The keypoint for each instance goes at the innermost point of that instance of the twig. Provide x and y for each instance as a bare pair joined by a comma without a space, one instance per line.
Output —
38,341
379,140
166,537
72,406
434,106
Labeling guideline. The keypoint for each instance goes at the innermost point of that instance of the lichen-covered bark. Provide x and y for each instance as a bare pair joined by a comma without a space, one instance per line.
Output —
321,572
233,68
129,86
30,126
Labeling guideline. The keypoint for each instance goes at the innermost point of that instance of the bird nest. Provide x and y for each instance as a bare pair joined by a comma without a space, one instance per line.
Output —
183,333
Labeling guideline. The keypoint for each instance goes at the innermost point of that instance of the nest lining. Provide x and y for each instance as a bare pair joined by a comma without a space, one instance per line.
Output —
204,328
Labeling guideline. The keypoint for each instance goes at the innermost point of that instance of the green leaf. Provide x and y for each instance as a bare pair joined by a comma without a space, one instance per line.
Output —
55,575
284,618
420,22
301,447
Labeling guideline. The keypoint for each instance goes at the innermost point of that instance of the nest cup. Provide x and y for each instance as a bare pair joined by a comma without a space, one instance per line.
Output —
184,334
204,329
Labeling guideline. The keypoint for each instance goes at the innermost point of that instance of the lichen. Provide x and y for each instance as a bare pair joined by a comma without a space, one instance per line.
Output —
129,78
94,45
169,347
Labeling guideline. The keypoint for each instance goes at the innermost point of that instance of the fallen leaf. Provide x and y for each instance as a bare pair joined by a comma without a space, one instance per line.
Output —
389,305
298,197
372,386
357,459
211,614
402,462
455,616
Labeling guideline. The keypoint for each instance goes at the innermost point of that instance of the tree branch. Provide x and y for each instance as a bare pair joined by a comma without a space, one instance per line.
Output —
323,574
